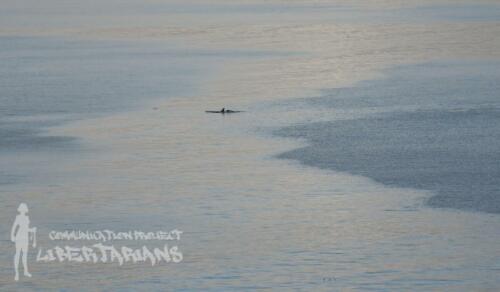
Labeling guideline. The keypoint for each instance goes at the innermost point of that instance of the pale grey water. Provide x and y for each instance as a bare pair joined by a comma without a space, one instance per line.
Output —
51,81
85,149
435,127
90,14
46,81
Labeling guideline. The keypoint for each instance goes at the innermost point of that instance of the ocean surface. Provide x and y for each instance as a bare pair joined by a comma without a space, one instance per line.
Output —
431,126
364,160
51,81
46,81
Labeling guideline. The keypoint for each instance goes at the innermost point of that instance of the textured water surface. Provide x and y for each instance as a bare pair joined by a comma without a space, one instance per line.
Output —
433,127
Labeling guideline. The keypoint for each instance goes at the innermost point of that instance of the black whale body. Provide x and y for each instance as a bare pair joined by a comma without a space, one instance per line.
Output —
223,112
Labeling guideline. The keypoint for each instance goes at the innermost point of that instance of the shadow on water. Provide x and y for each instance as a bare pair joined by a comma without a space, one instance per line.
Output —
15,139
436,129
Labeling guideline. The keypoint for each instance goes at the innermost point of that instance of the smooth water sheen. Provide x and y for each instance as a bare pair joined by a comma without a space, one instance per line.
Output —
103,126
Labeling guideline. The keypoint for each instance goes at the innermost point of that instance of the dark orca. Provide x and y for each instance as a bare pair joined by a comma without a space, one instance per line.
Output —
223,111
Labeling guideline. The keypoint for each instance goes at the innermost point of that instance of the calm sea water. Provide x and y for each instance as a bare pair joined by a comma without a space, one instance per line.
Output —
102,134
46,81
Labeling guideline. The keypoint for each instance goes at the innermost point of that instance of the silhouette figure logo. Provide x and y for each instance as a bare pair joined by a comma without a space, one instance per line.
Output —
96,251
21,234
